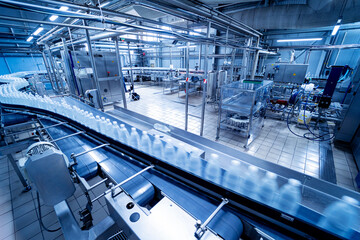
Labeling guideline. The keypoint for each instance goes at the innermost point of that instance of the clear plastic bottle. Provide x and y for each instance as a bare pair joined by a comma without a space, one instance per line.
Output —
158,148
169,152
103,125
212,169
289,197
98,123
267,189
124,134
182,157
145,142
116,130
249,183
232,176
134,140
341,216
195,164
109,128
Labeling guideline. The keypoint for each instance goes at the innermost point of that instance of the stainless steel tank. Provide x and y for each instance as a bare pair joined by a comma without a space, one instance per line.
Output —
211,85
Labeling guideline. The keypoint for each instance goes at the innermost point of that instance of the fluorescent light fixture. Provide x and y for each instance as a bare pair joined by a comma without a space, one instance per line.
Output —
53,18
191,46
39,30
335,30
64,8
104,4
29,38
300,40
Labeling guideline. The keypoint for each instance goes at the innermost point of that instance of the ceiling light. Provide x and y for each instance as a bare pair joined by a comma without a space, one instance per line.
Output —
64,8
335,30
39,30
29,39
300,40
190,46
53,18
104,4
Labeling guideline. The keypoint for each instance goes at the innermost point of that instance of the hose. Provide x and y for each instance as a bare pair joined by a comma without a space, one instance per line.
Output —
40,217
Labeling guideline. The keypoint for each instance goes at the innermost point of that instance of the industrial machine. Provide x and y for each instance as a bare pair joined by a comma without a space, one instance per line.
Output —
150,197
242,108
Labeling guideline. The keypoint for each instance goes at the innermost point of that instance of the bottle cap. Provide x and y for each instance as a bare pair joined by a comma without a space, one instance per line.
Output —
144,132
214,156
253,168
271,175
133,129
294,182
235,163
350,200
122,125
115,122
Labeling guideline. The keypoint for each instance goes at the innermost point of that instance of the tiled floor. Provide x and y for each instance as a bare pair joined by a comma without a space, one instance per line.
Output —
19,217
275,143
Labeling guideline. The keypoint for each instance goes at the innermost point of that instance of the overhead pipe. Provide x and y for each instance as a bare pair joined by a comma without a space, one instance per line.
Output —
230,22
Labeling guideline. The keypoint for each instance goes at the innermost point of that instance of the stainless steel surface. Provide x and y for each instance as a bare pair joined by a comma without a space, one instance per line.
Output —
47,170
187,65
166,220
48,69
286,73
53,68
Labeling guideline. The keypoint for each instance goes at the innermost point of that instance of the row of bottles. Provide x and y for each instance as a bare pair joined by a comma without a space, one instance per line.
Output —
339,217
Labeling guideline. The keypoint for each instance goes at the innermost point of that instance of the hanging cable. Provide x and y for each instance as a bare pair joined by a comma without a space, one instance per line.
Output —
40,217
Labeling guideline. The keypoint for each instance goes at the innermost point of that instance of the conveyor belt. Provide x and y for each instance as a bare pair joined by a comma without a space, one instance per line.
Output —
119,168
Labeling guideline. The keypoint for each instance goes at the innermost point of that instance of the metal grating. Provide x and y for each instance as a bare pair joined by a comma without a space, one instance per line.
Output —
120,235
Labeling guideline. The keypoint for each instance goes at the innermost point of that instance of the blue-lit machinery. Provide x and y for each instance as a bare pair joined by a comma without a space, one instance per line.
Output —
148,198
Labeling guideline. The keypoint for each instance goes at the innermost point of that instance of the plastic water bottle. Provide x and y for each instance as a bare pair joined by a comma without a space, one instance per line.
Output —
267,189
182,157
169,152
213,170
289,197
116,130
103,125
158,148
98,123
123,134
341,216
109,128
231,176
134,140
145,142
195,164
249,183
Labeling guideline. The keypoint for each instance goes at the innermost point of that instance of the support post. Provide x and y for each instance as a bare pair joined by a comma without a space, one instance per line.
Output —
121,76
131,71
256,59
93,66
187,86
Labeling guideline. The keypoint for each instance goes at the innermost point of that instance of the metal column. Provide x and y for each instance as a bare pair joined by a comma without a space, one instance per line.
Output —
93,66
187,86
131,71
53,67
256,59
48,69
121,80
203,104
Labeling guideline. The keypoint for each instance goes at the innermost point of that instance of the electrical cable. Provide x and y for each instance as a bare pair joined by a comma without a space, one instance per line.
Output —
40,218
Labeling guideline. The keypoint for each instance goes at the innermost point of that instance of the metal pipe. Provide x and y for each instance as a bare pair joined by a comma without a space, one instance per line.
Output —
90,150
203,104
93,66
67,136
130,178
121,80
131,71
256,59
187,64
48,69
68,70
